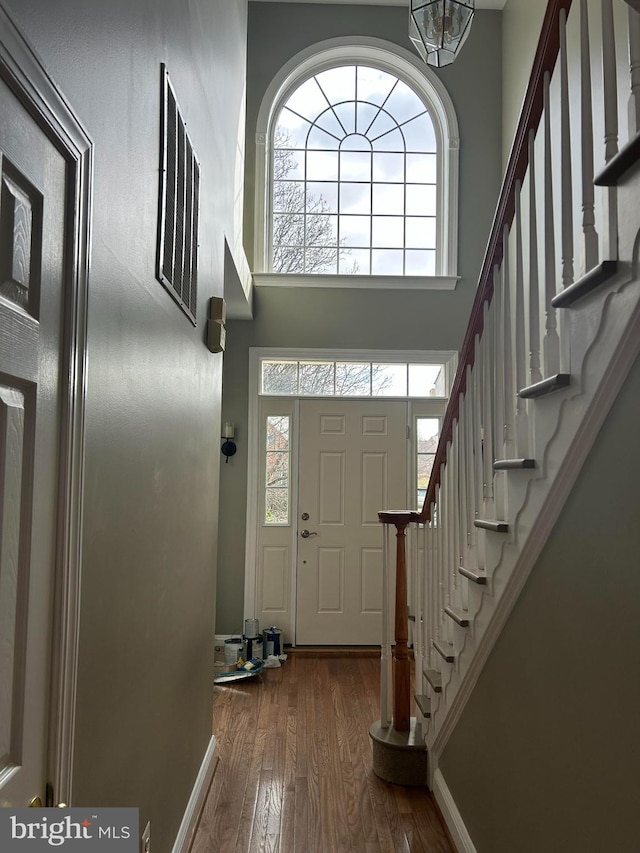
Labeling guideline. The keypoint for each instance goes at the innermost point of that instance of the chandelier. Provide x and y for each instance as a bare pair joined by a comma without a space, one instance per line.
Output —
438,28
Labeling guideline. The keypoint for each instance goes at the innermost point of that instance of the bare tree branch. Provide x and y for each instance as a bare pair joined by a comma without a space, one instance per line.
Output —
303,233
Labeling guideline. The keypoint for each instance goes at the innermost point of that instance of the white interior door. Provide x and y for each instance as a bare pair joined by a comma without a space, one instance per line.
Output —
32,266
352,464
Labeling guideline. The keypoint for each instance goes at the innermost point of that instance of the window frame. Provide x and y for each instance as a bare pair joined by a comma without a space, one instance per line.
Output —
406,67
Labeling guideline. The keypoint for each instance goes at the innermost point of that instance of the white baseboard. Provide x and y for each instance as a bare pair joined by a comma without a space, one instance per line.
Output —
189,823
451,815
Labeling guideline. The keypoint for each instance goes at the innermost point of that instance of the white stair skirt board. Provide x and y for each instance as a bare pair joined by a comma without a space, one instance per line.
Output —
451,815
189,824
605,343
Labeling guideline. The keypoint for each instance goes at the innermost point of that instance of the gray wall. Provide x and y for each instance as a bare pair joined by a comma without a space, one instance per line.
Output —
545,756
521,25
153,404
352,318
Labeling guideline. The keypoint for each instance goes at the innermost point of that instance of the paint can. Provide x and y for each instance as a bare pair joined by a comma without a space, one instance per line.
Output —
251,628
232,650
253,648
272,641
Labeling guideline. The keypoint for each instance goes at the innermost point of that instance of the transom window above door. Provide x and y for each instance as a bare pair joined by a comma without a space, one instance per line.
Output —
354,168
328,378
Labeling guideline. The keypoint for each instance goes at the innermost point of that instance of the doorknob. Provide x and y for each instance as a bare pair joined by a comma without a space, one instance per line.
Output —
36,803
307,533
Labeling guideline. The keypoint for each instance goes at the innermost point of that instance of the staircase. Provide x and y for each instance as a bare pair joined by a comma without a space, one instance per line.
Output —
554,330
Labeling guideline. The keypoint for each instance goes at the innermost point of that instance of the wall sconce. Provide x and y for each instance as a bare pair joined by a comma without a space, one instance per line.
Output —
228,444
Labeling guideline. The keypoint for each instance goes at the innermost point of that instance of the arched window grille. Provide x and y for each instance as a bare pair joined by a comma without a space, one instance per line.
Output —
356,167
354,177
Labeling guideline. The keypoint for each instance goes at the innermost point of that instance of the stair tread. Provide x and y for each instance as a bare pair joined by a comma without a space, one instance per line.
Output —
496,525
434,678
546,386
459,616
475,575
618,165
445,649
511,464
424,703
595,277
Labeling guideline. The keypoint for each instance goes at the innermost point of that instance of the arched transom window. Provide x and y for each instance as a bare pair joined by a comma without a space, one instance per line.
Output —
354,177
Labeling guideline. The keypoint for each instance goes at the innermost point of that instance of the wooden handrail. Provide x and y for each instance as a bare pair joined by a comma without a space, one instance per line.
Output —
543,63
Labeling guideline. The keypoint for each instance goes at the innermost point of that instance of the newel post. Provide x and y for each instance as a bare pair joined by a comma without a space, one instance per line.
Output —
401,662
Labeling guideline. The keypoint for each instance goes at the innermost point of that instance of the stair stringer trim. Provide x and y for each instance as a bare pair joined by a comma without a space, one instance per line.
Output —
616,344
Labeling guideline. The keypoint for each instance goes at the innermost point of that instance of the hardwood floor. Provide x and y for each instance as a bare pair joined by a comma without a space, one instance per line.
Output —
295,768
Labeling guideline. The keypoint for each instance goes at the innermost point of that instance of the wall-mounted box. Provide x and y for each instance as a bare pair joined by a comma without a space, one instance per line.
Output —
216,336
218,310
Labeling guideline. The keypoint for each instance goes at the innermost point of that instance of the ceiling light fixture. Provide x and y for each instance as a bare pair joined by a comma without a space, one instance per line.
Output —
439,28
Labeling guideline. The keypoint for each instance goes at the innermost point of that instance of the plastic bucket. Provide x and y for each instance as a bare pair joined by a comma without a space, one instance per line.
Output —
232,649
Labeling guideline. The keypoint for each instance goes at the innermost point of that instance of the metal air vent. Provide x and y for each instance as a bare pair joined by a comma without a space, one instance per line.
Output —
179,205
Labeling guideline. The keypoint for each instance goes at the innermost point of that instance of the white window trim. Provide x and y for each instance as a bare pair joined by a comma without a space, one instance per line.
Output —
407,67
447,357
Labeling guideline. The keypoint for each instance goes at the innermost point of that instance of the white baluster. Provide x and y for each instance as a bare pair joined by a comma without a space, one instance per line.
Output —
426,612
439,557
487,403
463,500
476,399
449,528
565,160
588,197
499,409
424,540
472,531
444,568
455,511
521,422
498,360
610,88
433,590
634,72
551,345
416,602
508,390
534,288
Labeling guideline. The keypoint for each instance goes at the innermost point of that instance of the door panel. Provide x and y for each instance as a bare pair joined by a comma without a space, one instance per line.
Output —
352,464
32,213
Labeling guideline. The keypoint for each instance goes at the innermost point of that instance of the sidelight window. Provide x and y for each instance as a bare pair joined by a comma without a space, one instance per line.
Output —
278,470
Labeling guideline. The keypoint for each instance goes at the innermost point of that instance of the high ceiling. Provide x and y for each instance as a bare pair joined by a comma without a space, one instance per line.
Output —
480,4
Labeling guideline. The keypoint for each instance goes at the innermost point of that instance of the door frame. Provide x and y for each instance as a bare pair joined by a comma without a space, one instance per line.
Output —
23,72
447,357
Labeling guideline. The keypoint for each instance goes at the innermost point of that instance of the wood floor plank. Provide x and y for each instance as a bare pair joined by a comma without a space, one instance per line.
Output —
295,768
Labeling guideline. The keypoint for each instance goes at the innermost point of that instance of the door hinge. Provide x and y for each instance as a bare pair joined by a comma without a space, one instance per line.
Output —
408,432
48,795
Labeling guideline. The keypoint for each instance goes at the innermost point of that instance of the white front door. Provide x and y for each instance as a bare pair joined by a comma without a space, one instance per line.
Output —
33,181
352,464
